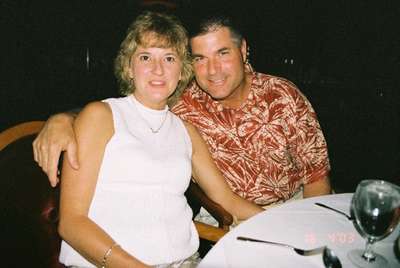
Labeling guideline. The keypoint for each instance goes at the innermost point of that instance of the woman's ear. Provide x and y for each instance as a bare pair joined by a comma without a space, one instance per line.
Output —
131,77
129,68
130,72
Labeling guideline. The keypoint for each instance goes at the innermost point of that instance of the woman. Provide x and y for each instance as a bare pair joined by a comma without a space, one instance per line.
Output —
125,206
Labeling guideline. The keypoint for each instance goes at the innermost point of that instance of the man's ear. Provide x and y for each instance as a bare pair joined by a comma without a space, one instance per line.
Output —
243,49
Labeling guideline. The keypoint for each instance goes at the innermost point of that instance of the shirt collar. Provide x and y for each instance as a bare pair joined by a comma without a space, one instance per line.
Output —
215,106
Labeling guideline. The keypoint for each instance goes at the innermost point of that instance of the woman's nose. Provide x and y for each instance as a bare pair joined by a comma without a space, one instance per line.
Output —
158,67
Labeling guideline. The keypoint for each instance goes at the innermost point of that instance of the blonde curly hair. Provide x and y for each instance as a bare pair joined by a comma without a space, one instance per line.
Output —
151,29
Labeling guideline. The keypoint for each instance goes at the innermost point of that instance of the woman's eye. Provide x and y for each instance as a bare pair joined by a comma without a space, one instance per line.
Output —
144,58
170,59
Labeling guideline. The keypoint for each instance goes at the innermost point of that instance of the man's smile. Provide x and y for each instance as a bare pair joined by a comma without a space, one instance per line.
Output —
217,82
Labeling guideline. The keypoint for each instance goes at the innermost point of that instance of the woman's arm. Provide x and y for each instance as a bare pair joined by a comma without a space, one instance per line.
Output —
210,179
320,187
93,129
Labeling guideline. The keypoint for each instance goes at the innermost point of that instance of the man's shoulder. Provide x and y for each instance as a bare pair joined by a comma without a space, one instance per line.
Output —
266,83
262,78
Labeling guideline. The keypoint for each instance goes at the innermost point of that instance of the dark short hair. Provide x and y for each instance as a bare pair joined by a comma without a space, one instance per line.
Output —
212,20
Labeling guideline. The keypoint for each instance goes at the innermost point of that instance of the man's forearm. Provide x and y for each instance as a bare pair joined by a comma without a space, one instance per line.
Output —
74,112
67,116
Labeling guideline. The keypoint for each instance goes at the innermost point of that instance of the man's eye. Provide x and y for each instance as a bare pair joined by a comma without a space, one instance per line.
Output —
197,59
144,58
224,52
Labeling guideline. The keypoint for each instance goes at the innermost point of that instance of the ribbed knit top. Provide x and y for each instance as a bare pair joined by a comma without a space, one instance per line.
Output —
139,198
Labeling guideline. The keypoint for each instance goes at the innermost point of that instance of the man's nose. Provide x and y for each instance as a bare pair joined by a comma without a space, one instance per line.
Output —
213,66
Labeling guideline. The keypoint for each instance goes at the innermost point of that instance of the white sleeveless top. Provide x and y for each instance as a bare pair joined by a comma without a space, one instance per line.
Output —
139,198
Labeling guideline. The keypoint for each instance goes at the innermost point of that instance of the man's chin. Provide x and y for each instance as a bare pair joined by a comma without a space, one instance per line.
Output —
218,97
215,95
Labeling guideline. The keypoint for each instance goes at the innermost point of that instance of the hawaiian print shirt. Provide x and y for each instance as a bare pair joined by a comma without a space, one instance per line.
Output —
269,147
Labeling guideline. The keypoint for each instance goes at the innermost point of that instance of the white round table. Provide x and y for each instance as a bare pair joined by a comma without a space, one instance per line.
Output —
299,223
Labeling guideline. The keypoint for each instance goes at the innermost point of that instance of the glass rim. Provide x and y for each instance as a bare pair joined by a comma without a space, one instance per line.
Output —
378,182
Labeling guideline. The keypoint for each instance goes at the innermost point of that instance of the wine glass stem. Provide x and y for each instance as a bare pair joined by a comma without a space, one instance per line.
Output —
368,254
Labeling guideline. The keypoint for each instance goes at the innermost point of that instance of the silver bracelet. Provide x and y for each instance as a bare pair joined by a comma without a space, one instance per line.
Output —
108,253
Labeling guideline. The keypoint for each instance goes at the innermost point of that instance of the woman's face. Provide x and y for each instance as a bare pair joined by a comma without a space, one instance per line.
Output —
155,73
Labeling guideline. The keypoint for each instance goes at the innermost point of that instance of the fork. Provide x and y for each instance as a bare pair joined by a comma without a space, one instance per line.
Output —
334,209
300,251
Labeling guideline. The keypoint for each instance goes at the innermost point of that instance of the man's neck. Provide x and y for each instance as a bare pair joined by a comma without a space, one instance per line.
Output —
240,95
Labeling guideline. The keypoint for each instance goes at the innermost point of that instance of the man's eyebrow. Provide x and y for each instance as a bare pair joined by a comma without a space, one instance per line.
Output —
196,55
218,51
223,49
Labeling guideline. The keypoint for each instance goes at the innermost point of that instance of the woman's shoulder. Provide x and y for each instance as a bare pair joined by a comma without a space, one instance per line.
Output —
95,109
96,116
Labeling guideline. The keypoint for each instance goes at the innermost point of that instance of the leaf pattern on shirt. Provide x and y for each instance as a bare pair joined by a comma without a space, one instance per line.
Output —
269,147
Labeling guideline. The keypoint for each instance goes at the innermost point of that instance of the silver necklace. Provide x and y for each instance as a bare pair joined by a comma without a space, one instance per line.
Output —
154,131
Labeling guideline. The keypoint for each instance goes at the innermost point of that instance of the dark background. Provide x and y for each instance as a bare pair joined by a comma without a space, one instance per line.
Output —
343,55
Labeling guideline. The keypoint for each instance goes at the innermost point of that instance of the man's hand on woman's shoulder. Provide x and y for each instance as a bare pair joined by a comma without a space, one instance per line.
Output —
56,136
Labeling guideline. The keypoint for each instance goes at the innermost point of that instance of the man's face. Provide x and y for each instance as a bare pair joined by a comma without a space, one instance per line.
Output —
219,64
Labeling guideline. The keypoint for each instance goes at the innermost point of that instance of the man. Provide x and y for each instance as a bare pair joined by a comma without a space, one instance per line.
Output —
261,131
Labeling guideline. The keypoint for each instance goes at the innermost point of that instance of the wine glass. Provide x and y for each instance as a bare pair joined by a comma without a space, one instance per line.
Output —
376,208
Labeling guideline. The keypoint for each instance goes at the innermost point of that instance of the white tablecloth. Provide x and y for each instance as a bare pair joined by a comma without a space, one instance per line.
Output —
301,224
